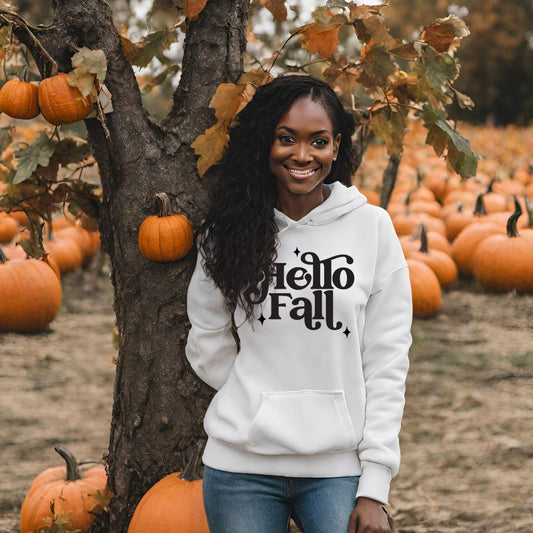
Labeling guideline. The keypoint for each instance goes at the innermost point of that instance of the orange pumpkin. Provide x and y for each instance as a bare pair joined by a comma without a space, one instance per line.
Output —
66,252
436,241
31,294
505,262
18,99
60,103
457,220
466,242
440,262
173,505
425,289
8,227
167,236
75,496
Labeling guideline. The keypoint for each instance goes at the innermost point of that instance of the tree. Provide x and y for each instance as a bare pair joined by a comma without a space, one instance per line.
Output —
158,402
139,159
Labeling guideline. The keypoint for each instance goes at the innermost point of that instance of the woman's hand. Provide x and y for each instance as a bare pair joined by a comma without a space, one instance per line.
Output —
369,517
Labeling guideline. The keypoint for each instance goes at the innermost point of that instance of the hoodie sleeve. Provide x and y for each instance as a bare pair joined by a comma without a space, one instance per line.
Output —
386,342
210,347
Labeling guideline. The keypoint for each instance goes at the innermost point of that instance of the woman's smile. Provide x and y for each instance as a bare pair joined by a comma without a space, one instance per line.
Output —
302,173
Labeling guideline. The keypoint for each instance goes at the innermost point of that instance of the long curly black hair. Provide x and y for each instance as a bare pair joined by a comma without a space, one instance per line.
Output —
239,236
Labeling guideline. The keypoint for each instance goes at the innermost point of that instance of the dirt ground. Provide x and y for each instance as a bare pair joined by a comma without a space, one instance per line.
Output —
467,437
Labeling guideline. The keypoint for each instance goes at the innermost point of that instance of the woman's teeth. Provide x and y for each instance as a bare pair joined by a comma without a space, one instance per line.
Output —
302,173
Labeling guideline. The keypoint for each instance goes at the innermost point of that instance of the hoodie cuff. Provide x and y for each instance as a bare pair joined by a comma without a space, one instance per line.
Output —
374,482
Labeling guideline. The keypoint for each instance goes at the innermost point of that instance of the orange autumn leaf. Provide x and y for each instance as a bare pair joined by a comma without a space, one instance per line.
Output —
277,8
320,38
194,7
210,146
228,100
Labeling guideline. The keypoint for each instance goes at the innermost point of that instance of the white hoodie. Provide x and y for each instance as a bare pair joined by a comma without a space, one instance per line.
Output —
317,388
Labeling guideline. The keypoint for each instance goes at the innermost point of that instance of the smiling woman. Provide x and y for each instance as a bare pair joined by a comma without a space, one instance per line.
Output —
300,309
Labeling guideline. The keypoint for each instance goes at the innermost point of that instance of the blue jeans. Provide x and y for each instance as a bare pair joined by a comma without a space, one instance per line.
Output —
253,503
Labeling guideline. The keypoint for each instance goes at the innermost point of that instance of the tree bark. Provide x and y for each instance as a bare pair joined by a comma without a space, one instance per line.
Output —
158,402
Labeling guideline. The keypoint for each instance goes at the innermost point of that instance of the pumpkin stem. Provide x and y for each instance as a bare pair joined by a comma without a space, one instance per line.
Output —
424,240
73,471
420,175
529,209
408,200
3,257
480,206
190,473
164,204
491,184
512,230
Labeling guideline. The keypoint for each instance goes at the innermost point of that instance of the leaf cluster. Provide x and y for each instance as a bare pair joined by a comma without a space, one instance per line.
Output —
45,178
399,80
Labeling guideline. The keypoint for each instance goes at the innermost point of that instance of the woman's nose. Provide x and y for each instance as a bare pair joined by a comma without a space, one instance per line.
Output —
302,154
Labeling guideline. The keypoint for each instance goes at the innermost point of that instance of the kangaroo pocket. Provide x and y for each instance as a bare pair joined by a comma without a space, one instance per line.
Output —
301,422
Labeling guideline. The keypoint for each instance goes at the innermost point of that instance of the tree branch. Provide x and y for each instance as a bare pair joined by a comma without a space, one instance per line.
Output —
26,35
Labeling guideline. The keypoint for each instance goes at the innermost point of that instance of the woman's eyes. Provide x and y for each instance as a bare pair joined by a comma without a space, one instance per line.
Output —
287,139
321,142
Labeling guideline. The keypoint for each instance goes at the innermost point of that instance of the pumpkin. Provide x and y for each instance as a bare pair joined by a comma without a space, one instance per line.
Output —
405,223
18,99
65,251
167,236
425,289
505,262
173,505
88,242
459,219
74,496
466,242
60,103
31,294
9,227
436,241
494,202
440,262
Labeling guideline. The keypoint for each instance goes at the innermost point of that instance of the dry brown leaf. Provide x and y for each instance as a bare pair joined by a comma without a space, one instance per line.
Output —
193,8
277,8
129,49
438,36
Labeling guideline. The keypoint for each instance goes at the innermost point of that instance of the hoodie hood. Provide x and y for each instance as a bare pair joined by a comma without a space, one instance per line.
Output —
341,200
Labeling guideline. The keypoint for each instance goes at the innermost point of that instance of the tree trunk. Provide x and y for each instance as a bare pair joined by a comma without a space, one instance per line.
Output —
158,402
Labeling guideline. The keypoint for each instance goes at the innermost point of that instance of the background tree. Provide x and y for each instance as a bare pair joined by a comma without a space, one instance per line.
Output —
496,58
158,402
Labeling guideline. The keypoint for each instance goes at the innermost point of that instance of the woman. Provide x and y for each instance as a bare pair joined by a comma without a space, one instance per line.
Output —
300,309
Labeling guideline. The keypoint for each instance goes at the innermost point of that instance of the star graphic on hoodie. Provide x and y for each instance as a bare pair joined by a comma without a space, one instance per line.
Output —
262,319
297,252
346,331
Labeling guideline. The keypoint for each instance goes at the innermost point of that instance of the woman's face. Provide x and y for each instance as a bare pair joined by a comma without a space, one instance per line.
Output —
303,152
